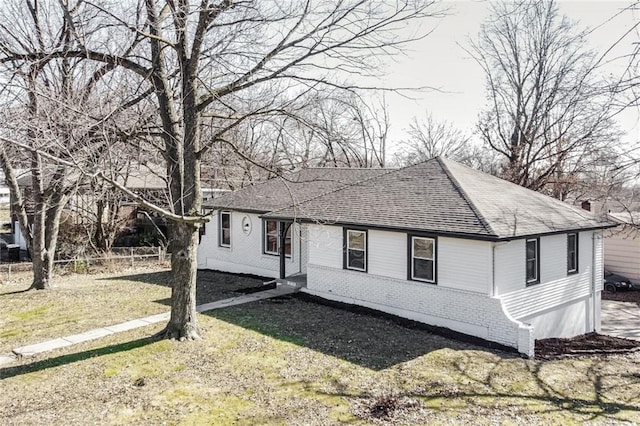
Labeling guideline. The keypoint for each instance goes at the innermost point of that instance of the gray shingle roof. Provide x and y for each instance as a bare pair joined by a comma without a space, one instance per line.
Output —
629,218
442,196
291,189
513,211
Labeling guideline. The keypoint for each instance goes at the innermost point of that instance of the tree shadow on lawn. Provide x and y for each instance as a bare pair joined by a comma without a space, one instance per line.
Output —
211,285
361,336
18,370
373,340
161,278
514,390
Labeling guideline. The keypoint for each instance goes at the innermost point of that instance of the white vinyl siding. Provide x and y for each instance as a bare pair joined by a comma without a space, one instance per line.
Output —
556,290
325,246
510,266
465,264
245,254
622,251
387,254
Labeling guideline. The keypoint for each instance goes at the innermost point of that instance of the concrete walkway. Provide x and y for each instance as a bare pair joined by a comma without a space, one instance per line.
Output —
620,319
97,333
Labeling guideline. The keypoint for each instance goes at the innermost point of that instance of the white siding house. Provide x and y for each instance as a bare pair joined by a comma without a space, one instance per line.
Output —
436,242
245,252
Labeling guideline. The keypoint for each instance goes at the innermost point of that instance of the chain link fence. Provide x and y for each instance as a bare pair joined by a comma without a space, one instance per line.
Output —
119,256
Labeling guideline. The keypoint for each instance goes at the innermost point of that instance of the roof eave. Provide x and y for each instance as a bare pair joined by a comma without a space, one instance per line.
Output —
470,236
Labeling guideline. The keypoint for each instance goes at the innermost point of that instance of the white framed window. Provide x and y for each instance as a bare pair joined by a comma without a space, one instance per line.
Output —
355,253
224,231
423,259
271,238
572,253
533,261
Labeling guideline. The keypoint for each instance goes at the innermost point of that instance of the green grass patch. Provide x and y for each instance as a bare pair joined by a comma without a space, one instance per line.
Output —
31,314
289,362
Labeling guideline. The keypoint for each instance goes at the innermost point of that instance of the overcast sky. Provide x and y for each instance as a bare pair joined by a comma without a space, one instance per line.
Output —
441,61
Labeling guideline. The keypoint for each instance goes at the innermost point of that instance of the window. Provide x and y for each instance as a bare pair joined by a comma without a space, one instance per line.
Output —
533,264
225,229
356,250
203,227
272,237
423,259
572,253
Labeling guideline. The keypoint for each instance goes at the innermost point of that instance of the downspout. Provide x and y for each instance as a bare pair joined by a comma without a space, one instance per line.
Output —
283,232
300,248
493,265
493,269
593,281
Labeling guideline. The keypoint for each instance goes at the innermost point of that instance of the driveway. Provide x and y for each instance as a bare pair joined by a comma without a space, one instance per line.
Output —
621,319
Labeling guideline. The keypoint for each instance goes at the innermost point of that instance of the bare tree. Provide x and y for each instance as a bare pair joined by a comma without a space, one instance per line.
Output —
328,131
429,138
548,113
225,61
54,105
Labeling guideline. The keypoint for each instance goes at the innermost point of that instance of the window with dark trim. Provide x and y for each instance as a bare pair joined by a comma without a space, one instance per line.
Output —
224,229
271,238
572,253
422,258
355,249
533,261
203,229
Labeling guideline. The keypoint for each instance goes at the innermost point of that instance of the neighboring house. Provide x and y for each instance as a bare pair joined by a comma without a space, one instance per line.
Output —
436,242
622,245
83,205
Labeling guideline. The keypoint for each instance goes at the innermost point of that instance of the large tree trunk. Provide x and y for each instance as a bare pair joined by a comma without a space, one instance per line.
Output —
183,324
42,270
46,227
40,256
99,235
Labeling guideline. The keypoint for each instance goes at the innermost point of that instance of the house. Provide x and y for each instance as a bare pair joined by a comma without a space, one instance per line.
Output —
4,195
622,245
436,242
83,206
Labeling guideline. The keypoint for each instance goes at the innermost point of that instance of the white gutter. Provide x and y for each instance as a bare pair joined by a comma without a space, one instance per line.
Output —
300,248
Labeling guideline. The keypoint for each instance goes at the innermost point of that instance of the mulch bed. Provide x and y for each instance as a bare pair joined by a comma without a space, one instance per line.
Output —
590,344
632,296
214,285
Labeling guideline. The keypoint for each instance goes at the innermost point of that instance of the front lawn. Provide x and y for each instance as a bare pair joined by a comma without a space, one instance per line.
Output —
288,361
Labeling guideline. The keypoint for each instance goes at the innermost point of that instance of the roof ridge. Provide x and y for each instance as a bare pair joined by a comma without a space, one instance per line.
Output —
534,193
485,223
343,168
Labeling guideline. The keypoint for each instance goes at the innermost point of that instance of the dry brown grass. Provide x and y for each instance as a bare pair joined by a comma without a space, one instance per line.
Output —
288,361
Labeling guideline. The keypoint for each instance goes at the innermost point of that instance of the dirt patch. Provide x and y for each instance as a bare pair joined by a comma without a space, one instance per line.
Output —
386,409
632,296
585,345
